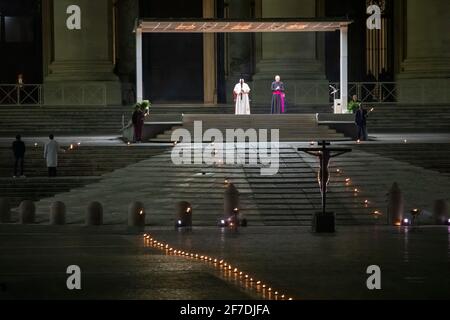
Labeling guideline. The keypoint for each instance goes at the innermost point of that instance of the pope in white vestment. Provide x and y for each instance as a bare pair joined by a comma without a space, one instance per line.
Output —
241,94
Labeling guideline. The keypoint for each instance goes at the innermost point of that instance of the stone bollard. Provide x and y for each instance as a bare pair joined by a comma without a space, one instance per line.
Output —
136,214
395,205
57,213
440,212
94,214
27,212
5,210
184,215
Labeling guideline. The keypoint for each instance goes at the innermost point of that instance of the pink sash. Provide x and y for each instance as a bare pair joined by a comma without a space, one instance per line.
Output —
282,95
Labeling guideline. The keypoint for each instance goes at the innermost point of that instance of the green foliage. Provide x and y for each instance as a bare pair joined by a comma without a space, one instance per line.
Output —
144,105
353,106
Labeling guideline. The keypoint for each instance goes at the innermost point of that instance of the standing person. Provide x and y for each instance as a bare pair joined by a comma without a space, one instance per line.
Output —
51,155
241,93
361,123
19,87
18,148
138,120
278,96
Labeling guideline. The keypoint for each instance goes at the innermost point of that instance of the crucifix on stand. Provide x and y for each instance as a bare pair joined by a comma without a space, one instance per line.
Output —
324,221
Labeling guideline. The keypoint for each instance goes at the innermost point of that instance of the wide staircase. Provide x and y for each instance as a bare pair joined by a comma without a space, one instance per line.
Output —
409,118
78,167
62,120
91,120
431,156
287,198
358,186
293,127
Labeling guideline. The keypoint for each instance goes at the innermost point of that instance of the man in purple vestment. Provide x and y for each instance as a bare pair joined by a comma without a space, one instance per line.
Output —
278,96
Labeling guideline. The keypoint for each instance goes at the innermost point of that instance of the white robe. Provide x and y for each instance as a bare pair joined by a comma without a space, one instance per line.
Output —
242,105
51,153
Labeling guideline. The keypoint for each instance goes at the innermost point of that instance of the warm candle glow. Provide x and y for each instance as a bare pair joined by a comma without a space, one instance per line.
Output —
228,268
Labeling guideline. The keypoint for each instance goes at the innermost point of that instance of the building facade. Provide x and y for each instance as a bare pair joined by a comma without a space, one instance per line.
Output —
97,62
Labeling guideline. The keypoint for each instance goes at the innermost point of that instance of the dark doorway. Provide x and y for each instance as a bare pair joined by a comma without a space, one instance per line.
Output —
20,41
172,63
369,52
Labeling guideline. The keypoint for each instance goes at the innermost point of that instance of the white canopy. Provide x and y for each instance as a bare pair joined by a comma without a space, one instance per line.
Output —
254,25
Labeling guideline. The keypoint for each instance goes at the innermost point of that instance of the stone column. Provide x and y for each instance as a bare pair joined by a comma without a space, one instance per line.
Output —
296,57
209,57
425,70
79,63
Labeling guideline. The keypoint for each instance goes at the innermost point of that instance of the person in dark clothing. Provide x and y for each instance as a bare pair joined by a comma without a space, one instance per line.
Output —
361,123
18,148
138,119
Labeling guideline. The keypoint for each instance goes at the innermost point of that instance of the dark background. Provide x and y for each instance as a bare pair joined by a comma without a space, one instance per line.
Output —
20,40
173,64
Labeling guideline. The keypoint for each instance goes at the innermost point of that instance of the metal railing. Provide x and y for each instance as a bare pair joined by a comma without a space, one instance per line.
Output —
20,94
95,94
374,92
53,94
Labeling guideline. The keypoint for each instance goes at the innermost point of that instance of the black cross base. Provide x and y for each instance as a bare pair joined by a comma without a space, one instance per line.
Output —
324,222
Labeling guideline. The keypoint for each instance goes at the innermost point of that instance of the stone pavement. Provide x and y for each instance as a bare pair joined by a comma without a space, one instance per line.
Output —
414,262
113,265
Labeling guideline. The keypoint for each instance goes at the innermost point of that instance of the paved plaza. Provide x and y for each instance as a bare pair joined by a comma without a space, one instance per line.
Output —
414,262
